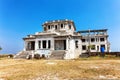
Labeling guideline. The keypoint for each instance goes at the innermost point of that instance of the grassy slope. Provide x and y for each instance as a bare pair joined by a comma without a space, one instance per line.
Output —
87,68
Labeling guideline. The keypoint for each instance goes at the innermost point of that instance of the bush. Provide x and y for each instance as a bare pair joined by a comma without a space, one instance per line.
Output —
4,55
29,57
84,55
37,56
43,56
0,48
10,56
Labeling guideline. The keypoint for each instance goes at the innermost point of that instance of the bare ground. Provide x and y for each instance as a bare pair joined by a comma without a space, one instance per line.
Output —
18,69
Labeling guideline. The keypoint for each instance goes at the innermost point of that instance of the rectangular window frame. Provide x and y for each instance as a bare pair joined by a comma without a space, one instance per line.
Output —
92,39
84,47
76,44
39,44
62,26
93,47
102,39
44,42
83,40
49,27
55,27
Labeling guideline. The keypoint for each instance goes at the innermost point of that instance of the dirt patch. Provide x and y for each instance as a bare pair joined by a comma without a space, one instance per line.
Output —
51,63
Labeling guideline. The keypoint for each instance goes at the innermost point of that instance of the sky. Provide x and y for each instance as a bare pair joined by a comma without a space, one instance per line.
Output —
19,18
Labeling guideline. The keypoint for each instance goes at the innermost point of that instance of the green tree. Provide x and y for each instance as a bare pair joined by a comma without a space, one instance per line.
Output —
89,47
0,48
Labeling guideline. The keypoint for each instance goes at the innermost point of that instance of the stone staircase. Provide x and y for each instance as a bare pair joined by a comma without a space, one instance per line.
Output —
22,55
57,54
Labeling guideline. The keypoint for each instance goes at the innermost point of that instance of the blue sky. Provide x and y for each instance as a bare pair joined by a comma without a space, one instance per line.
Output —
19,18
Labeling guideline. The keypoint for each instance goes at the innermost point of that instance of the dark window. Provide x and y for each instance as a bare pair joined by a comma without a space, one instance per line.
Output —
83,47
55,27
48,26
69,26
64,44
33,45
44,44
92,47
49,43
39,44
83,40
103,46
92,39
61,25
102,39
76,44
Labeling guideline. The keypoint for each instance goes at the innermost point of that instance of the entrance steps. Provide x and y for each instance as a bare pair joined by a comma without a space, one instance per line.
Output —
22,55
57,54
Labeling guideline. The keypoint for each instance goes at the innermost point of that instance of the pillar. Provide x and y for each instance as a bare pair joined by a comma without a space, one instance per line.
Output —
67,44
41,44
52,44
46,44
25,45
36,45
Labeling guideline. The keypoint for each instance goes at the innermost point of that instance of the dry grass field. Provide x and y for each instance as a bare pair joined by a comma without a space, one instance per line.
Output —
80,69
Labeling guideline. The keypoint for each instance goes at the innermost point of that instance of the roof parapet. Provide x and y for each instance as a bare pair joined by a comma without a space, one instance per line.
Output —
87,31
60,20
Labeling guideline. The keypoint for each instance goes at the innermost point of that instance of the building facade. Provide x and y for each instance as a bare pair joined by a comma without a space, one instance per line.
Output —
96,39
60,37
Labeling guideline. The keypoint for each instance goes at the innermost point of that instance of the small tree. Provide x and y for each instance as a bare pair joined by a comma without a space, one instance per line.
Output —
89,47
0,48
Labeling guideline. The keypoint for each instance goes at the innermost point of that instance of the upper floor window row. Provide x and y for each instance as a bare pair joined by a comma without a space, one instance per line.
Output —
85,47
62,26
93,40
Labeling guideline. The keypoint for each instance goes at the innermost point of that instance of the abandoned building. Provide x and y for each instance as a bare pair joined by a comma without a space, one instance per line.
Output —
59,39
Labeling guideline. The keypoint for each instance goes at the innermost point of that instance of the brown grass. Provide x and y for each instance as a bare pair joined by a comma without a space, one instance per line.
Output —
16,69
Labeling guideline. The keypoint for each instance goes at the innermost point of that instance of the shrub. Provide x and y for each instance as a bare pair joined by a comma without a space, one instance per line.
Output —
84,55
3,55
37,56
10,55
29,57
0,48
43,56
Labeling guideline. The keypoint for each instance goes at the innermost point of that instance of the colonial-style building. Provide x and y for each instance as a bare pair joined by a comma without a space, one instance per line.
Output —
96,39
60,39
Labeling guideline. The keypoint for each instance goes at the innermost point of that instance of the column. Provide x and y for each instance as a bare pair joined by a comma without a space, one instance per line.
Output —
67,44
36,45
106,48
52,44
46,44
25,45
105,39
41,44
96,48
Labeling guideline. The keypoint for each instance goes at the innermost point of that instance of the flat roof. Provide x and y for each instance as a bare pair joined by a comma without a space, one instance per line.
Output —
87,31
